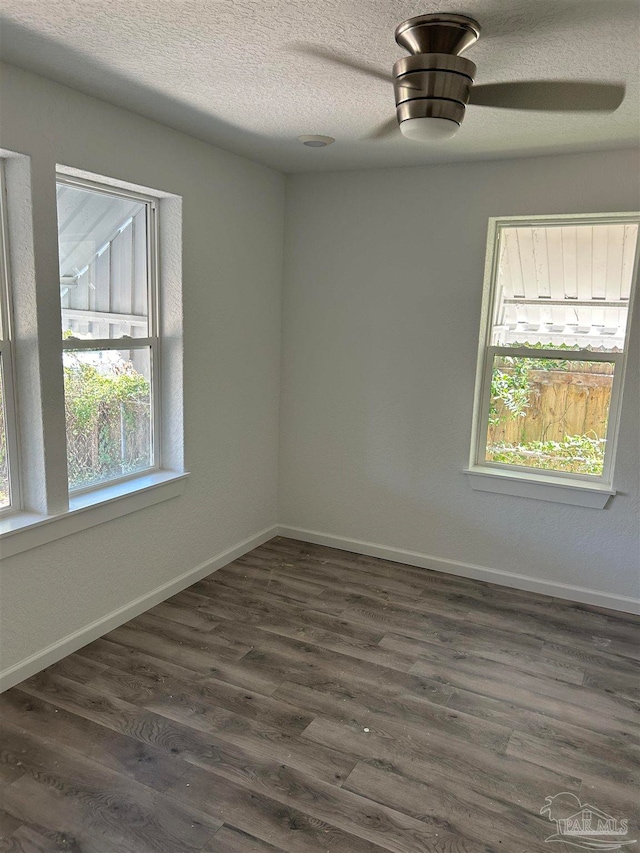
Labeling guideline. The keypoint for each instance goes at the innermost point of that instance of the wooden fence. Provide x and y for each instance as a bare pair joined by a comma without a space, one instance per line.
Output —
561,403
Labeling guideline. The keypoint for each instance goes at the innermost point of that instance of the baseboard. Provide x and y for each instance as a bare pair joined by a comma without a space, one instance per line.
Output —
578,594
72,642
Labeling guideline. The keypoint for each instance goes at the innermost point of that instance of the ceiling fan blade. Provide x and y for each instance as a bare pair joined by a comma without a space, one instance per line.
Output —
550,95
341,59
384,130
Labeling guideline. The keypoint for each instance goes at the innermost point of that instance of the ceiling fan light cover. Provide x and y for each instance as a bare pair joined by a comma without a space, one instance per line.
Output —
429,129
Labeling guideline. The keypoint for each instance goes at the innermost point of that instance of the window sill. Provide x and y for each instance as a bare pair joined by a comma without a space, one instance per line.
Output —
25,530
523,485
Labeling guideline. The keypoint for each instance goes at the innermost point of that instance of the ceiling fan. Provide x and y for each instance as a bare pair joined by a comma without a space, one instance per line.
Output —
434,84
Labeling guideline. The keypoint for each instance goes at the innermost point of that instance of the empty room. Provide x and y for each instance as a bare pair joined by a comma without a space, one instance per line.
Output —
319,426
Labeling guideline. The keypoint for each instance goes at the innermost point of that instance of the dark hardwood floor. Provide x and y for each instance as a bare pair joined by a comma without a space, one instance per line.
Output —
305,699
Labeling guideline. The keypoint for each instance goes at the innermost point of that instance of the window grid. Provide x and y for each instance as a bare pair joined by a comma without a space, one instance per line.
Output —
551,355
150,343
488,351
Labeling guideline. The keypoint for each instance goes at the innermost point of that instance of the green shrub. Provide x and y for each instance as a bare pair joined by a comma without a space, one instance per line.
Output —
576,454
510,386
107,420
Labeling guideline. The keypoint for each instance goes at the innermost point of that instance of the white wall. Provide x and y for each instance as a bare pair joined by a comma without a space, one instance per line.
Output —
383,283
233,213
381,304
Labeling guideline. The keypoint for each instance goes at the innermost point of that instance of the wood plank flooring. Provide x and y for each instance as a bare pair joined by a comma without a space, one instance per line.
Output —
305,699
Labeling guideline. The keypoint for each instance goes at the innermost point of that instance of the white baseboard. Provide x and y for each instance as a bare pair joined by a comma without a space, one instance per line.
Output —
579,594
72,642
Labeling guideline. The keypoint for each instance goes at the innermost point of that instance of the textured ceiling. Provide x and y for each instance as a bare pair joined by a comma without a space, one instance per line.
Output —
228,72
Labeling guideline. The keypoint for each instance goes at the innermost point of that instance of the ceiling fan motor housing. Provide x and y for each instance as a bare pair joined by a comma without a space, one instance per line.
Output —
434,82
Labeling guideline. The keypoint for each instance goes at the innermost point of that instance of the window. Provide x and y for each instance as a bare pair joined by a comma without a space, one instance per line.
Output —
108,298
557,309
9,481
96,365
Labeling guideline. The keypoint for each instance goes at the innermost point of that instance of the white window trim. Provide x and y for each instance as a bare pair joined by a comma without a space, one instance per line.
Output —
40,521
152,341
25,530
7,360
518,481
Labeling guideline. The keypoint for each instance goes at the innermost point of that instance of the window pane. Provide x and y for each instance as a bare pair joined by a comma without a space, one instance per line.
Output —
564,286
549,414
103,264
5,495
109,413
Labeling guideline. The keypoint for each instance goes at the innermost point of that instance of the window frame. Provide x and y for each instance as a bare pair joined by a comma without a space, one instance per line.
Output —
7,360
151,342
48,510
531,476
